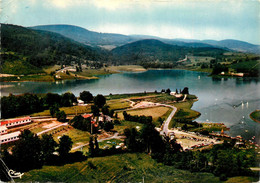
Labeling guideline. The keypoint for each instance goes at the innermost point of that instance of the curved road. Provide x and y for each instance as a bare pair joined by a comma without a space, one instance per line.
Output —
168,120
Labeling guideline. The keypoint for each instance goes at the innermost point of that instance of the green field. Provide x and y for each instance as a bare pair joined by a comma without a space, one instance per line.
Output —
246,65
68,110
184,111
116,168
129,68
126,124
118,104
121,168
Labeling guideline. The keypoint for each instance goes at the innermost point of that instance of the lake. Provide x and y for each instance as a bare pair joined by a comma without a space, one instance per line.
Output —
227,100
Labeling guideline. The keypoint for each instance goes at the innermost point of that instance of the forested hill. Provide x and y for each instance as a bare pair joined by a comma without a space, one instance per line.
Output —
151,50
109,39
85,36
34,48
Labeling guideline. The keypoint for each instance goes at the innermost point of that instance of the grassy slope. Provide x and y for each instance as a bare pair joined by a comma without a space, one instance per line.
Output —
255,116
116,168
19,67
186,112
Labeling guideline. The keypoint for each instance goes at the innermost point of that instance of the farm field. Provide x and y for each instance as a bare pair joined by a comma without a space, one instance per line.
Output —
155,112
68,110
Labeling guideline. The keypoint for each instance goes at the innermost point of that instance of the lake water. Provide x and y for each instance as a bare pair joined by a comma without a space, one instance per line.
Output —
220,100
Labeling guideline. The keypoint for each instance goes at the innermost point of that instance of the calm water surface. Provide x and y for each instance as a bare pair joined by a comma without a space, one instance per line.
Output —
220,100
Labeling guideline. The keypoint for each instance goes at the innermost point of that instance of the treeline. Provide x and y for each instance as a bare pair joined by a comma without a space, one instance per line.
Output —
223,160
141,119
31,152
18,105
165,65
43,48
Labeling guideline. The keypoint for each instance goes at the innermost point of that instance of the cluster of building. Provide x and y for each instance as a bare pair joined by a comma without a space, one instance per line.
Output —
5,125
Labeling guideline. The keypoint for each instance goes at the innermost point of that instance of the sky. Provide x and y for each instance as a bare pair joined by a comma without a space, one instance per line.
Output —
189,19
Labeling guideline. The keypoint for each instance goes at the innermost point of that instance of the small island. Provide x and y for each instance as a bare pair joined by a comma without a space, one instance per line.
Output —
255,115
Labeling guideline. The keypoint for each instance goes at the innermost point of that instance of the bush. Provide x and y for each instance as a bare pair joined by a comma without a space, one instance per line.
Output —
91,165
223,177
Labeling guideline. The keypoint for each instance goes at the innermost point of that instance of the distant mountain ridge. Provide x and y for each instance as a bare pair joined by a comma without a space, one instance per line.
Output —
85,36
98,39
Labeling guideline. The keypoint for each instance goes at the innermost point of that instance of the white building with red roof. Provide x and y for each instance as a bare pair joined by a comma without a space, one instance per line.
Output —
16,122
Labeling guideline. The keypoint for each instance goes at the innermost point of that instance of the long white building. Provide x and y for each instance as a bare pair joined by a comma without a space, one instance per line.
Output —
16,122
9,137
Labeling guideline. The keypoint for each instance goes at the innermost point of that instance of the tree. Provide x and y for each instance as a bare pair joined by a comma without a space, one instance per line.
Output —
218,68
131,140
185,90
81,123
67,99
27,151
168,91
105,110
91,147
160,120
151,139
48,145
61,116
86,96
96,145
100,101
54,109
65,145
111,113
95,110
51,99
108,126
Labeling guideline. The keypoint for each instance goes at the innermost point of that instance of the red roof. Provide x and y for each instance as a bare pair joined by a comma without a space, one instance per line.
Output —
87,115
14,120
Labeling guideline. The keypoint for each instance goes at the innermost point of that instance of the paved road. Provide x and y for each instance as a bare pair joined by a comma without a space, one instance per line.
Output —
168,120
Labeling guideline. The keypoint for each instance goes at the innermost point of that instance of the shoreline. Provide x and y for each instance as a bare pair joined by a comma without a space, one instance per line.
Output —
250,115
117,70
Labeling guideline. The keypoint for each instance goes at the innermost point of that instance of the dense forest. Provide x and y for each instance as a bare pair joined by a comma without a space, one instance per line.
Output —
35,49
151,50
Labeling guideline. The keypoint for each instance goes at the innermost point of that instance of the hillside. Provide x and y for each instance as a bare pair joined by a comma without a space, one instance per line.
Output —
151,50
100,39
85,36
236,45
116,168
35,49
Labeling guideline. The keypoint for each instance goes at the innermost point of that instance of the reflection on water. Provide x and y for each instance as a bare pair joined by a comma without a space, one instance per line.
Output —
228,100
